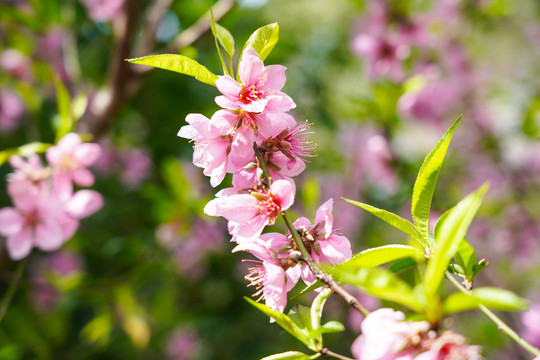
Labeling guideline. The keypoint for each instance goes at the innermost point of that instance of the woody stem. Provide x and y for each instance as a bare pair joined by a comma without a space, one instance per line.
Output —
306,256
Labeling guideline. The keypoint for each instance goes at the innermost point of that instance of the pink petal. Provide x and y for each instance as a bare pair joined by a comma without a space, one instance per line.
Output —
188,132
275,77
69,142
49,236
284,190
251,67
69,226
227,103
20,244
84,203
324,214
228,86
335,249
54,155
82,177
280,102
274,286
224,121
255,106
11,221
87,154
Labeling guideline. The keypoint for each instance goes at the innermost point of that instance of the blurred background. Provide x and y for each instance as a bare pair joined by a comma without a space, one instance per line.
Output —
150,276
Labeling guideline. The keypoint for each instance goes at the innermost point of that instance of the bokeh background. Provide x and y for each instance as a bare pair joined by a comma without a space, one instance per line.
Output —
150,276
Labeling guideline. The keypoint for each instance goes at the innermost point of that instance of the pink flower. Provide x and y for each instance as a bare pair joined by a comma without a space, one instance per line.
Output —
11,110
260,87
250,210
531,325
183,344
32,223
103,10
384,337
81,205
324,244
71,158
272,277
450,346
212,142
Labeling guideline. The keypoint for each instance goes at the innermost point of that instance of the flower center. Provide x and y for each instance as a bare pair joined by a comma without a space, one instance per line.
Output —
252,93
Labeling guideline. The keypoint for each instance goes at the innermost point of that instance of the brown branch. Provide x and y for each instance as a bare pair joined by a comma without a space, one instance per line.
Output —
306,257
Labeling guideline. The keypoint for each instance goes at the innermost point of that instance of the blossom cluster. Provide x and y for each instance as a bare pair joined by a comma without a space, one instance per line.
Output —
254,126
386,336
46,208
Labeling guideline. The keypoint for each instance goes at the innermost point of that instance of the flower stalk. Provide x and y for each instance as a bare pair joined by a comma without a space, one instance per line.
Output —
306,257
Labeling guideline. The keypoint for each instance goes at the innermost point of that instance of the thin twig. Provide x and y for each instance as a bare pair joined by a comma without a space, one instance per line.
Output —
4,305
326,352
502,326
319,273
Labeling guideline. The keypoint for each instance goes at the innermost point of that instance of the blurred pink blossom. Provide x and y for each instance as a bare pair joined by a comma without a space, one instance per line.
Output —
16,64
531,325
11,110
136,166
183,344
103,10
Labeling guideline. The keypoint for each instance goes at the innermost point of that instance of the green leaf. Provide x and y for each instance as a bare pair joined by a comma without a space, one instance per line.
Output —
264,39
179,64
395,220
63,100
25,150
316,311
317,284
449,232
216,37
466,259
226,39
378,282
291,355
78,107
330,327
381,255
402,265
426,180
286,323
494,298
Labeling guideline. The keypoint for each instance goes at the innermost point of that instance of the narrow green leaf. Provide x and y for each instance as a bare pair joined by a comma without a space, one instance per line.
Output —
291,355
330,327
63,103
25,150
216,36
381,255
466,259
317,310
449,232
426,180
226,40
264,39
393,219
78,107
179,64
317,284
378,282
493,298
286,323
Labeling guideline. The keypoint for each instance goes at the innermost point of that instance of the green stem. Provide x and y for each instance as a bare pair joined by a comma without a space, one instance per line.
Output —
11,290
306,256
502,326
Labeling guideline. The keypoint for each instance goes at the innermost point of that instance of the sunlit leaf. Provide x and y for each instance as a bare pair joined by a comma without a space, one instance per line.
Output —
317,310
216,38
449,232
330,327
291,355
426,180
378,282
25,150
381,255
393,219
491,297
466,259
264,39
179,64
286,323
